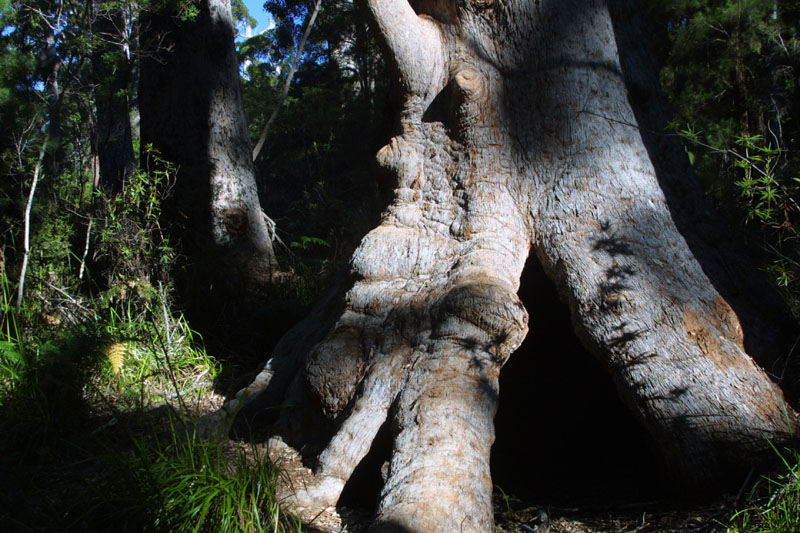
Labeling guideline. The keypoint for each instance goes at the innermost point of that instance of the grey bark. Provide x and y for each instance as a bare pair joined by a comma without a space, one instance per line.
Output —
111,67
192,113
524,128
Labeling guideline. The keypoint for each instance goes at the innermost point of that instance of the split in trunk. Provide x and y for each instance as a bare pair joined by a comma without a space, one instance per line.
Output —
526,126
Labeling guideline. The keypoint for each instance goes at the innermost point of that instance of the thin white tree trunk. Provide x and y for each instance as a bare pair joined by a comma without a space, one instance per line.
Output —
288,82
26,224
87,242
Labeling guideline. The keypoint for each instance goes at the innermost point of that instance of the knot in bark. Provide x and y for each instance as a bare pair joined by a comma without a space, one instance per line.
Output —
336,366
485,316
402,160
482,5
472,109
469,83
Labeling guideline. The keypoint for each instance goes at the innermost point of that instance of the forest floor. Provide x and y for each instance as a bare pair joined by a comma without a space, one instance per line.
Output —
662,516
517,516
514,515
59,481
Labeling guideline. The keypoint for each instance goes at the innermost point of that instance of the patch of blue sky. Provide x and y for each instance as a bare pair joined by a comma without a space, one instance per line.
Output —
256,9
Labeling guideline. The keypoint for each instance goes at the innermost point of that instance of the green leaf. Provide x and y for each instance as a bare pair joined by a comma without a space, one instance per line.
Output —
9,351
306,242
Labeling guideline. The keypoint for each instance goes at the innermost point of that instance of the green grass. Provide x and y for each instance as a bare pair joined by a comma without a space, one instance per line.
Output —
774,502
188,484
95,403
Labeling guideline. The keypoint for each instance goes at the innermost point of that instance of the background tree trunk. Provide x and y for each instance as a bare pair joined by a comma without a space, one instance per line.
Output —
192,114
288,82
520,131
111,69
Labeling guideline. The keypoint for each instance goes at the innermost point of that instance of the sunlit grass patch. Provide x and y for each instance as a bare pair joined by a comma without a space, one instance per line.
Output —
774,502
187,484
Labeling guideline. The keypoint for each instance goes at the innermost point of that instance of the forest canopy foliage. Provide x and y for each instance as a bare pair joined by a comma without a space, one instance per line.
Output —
730,71
85,264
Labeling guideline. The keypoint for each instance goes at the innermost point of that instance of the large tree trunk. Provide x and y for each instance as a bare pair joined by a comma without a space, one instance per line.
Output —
113,141
192,114
524,127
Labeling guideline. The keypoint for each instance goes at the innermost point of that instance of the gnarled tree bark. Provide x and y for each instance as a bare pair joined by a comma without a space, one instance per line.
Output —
526,126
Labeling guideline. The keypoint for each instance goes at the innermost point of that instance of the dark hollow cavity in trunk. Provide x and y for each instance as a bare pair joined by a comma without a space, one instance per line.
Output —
562,433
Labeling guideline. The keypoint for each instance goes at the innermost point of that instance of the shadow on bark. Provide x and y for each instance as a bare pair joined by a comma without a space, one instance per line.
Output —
573,424
363,489
770,331
550,103
286,361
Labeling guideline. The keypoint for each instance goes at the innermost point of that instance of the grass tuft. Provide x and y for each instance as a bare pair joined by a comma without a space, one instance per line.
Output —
774,502
187,484
94,414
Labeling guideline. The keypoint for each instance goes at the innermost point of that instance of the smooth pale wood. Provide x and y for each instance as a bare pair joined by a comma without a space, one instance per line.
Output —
517,133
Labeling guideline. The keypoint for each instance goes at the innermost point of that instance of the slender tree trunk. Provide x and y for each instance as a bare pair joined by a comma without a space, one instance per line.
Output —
26,224
525,127
285,92
192,114
50,63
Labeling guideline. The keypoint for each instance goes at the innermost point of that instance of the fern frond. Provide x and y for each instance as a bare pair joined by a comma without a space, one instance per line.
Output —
115,353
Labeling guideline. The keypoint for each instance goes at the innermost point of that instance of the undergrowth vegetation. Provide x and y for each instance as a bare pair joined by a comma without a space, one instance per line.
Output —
774,502
188,484
101,381
96,414
96,411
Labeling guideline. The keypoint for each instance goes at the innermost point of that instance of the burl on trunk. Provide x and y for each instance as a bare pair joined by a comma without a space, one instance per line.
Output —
525,126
